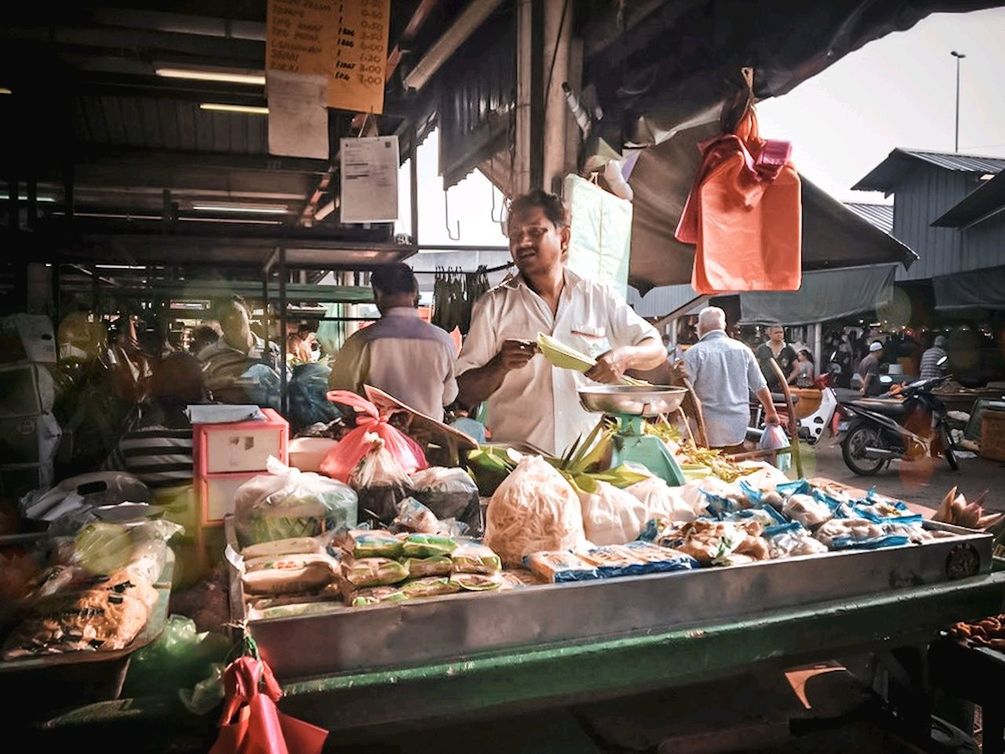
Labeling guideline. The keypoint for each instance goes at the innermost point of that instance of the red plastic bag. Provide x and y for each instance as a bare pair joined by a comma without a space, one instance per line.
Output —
744,214
343,458
252,724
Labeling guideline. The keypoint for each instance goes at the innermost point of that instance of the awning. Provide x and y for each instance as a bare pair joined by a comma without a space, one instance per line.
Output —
977,289
977,206
833,235
824,295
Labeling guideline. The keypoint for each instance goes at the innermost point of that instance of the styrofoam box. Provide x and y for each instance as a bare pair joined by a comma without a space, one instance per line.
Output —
240,446
216,495
25,390
27,337
29,439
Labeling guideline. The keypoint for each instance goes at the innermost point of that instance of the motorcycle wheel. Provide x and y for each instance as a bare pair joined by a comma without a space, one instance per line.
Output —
853,448
947,451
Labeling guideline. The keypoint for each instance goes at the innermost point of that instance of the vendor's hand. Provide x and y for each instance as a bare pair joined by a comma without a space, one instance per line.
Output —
515,354
610,367
771,417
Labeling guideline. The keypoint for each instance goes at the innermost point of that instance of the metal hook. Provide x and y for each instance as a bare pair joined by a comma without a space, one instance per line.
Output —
456,234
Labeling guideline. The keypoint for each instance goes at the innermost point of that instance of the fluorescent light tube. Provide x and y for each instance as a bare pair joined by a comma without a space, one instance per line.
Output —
260,209
209,75
220,107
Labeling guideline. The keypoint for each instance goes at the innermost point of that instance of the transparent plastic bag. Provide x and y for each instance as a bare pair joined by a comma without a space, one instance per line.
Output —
448,493
774,438
288,503
381,483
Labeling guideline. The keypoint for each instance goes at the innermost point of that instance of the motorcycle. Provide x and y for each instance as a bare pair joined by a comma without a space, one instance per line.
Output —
913,425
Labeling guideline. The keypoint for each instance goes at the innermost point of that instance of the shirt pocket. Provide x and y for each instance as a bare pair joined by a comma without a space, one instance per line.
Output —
592,341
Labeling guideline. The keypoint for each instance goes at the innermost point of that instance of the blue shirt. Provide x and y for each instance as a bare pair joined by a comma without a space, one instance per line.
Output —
724,373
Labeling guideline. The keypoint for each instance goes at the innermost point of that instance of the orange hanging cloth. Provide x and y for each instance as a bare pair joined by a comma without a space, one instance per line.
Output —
744,214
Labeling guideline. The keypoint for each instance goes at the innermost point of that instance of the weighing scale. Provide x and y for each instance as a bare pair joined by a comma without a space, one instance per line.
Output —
630,404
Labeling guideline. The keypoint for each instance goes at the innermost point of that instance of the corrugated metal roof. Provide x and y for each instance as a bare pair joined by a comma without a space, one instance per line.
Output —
977,206
885,176
879,215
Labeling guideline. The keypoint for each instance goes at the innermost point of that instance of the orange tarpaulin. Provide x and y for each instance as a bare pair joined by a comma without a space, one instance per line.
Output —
744,215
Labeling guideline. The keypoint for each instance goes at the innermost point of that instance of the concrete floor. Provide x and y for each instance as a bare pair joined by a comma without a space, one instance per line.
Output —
922,483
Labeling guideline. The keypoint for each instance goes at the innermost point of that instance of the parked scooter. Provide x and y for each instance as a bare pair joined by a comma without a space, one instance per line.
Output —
909,427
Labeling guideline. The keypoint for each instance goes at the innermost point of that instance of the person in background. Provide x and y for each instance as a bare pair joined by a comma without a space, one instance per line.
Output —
158,449
802,374
778,350
297,349
868,369
207,334
931,357
238,368
528,399
400,354
725,373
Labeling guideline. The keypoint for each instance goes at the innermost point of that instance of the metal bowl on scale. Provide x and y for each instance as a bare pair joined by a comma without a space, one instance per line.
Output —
632,400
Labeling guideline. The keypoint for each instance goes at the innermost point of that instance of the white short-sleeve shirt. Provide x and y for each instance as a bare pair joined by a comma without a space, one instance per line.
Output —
539,404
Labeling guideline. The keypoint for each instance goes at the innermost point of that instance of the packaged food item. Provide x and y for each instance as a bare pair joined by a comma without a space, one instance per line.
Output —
807,510
437,565
289,562
373,571
427,545
658,559
474,557
520,578
370,543
294,610
312,575
613,560
291,546
765,516
533,510
559,566
381,483
448,493
288,503
857,533
711,542
660,500
477,582
792,540
414,516
430,586
374,595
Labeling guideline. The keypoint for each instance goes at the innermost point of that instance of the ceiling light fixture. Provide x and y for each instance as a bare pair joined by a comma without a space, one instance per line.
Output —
234,220
229,77
260,209
23,198
223,108
5,90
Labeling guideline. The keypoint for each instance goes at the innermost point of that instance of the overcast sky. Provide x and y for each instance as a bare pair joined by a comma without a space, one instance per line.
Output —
898,91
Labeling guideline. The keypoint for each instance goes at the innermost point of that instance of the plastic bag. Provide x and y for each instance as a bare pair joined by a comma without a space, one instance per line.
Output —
660,499
381,483
373,571
345,457
613,516
448,493
140,548
774,438
427,545
534,509
288,503
474,557
414,516
179,658
367,543
561,566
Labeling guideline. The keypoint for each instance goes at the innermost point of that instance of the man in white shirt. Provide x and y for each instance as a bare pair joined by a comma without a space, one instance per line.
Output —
724,373
528,399
400,354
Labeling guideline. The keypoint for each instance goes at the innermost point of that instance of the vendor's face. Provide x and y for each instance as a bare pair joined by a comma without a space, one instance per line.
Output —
535,243
776,334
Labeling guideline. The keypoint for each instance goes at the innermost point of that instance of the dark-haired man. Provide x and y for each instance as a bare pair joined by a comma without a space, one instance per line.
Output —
529,400
400,354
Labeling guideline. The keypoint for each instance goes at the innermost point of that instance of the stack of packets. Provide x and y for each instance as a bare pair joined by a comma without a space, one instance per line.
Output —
381,567
632,559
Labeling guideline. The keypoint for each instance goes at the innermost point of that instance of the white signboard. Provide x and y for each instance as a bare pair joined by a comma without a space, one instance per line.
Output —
369,170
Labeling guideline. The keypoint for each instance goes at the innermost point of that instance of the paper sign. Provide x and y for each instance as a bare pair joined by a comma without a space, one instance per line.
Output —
601,233
298,115
360,61
301,36
369,177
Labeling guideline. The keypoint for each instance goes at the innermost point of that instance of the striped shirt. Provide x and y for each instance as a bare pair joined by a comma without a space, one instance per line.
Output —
158,453
930,363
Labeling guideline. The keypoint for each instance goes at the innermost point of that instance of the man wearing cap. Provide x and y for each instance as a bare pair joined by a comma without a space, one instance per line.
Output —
402,355
931,357
868,368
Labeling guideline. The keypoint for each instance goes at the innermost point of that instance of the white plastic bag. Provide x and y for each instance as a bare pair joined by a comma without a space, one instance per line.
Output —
773,438
288,503
534,509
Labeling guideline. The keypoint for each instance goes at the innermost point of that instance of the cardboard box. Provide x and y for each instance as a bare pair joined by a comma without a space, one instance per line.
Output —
993,436
29,439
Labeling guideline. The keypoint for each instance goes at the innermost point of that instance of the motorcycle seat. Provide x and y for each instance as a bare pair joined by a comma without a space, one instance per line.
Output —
779,399
884,406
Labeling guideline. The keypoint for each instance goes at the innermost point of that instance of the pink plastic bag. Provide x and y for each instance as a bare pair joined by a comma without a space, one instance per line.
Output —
343,458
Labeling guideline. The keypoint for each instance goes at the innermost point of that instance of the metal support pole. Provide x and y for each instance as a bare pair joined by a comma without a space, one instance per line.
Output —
956,141
55,294
413,183
265,308
284,379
